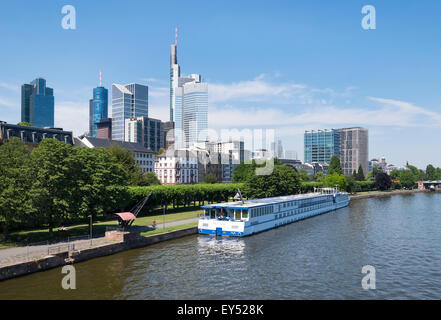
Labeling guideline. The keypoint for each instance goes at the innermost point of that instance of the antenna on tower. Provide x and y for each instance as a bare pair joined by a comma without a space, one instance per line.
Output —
101,71
176,35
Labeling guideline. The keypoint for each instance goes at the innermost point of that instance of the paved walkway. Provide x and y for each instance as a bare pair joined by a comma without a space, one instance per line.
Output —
174,223
29,253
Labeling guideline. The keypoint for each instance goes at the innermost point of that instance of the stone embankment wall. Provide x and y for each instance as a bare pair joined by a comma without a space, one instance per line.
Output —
130,241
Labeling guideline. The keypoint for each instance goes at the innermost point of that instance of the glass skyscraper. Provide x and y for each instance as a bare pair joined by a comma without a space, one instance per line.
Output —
321,145
188,103
98,109
191,113
128,101
37,103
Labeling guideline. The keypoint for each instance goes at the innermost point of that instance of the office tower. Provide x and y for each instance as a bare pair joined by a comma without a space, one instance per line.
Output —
98,108
91,117
277,149
191,113
188,103
175,73
128,101
37,103
146,131
321,145
354,149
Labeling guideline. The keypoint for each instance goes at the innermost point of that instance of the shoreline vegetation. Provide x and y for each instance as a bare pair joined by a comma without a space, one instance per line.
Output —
19,238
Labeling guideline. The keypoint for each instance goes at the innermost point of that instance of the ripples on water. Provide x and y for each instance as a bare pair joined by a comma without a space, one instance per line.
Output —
318,258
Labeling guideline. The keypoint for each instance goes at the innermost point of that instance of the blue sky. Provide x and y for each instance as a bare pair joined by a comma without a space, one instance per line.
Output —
289,65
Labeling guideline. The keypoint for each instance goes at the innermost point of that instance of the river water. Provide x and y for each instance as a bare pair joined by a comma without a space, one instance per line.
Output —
318,258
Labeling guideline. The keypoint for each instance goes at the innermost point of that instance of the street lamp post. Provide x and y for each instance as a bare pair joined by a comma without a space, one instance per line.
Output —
90,216
163,218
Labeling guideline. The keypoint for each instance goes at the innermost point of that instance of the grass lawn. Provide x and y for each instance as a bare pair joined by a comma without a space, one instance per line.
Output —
41,235
169,229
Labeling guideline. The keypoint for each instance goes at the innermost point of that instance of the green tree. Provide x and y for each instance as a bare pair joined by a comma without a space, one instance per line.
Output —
243,171
438,174
53,190
96,180
149,179
160,151
421,175
24,123
284,180
126,159
431,172
383,181
414,170
395,174
338,180
303,175
319,177
407,179
360,174
210,178
335,166
14,177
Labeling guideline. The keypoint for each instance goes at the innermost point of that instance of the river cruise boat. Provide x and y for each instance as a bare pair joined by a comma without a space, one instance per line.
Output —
244,218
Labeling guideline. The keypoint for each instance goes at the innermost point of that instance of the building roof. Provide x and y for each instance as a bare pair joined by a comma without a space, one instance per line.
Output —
105,143
45,129
122,88
261,202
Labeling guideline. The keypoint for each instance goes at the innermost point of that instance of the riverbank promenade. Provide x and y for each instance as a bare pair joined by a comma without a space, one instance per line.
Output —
22,254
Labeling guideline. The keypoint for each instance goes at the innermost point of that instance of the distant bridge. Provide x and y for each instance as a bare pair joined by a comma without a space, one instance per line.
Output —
429,184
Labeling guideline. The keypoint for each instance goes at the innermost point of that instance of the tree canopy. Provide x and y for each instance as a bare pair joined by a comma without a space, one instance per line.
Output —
383,181
335,166
284,180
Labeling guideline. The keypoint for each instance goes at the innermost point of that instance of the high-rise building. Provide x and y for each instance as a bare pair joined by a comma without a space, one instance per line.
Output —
128,101
354,149
175,73
98,109
321,145
188,103
191,121
277,149
37,103
146,131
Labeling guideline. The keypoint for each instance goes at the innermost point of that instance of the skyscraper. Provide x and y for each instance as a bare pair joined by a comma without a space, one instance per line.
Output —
188,103
354,149
191,112
349,144
98,109
37,103
175,73
128,101
321,145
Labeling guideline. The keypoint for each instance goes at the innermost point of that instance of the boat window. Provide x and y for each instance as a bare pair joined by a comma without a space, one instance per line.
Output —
237,214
